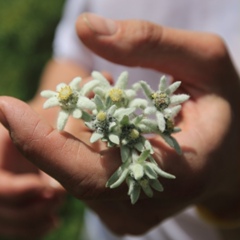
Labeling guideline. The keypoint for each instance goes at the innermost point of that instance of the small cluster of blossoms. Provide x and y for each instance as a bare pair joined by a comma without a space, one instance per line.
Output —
118,117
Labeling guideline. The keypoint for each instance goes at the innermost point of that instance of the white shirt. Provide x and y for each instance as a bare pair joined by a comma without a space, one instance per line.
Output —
216,16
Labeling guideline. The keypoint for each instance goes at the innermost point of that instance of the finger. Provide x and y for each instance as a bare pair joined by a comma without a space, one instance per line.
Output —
11,159
76,166
183,54
27,214
27,231
20,188
56,190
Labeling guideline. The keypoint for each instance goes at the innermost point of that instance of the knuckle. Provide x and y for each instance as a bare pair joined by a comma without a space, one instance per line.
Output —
146,33
218,51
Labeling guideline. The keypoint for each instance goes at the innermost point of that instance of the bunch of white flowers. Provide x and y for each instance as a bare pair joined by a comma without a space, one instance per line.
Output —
112,117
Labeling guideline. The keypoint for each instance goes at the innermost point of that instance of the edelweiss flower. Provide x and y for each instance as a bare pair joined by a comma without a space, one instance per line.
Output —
163,103
71,99
105,122
118,93
131,136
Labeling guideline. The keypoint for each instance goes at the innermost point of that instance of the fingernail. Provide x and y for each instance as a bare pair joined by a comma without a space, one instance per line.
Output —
54,183
100,25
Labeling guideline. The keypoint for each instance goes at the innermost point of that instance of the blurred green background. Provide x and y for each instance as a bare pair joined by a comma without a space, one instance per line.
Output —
26,33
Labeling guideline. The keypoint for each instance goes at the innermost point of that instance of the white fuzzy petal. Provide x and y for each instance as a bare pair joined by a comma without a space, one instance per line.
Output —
121,112
51,102
48,93
101,91
161,121
88,87
177,99
173,87
146,89
112,109
150,110
172,112
74,84
130,93
139,103
60,86
85,103
77,113
62,119
98,76
122,80
162,84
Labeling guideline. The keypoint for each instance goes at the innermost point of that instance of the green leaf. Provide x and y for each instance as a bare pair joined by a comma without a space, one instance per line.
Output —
95,137
150,172
155,184
144,156
139,146
160,172
86,116
137,171
99,103
114,138
172,142
121,178
147,189
125,120
117,174
125,153
134,190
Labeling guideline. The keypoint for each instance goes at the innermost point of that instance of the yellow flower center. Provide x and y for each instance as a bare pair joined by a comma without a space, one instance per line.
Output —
134,134
161,100
65,93
116,94
101,116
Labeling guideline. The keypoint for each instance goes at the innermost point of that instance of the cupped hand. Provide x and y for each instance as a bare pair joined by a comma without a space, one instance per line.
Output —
28,197
206,173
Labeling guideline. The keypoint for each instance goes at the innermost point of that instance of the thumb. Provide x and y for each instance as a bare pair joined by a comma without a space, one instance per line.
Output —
183,54
74,164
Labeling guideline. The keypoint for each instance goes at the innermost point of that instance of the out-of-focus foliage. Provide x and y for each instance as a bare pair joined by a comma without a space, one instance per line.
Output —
26,33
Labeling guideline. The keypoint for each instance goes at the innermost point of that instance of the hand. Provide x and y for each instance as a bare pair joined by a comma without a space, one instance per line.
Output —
209,129
28,197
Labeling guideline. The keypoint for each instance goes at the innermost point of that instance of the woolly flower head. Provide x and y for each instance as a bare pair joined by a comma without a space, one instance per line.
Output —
118,94
105,122
71,99
163,103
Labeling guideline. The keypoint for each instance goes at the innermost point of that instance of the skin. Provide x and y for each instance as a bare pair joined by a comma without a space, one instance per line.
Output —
208,171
